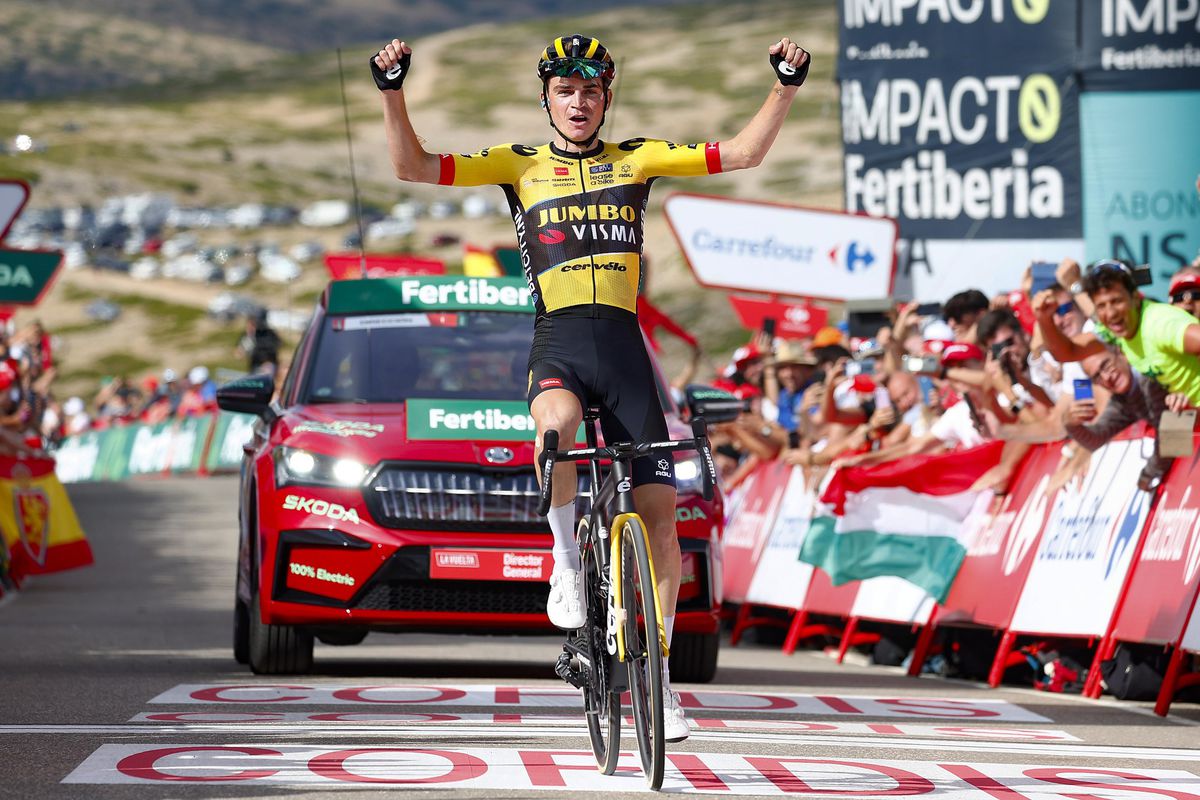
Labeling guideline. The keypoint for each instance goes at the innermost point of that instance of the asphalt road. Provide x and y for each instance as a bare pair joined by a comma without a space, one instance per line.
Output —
118,681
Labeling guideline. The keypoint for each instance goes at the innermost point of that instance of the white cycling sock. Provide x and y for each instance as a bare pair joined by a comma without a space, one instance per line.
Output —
562,525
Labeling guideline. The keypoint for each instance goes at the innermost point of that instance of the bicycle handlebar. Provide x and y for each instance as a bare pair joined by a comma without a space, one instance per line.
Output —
551,454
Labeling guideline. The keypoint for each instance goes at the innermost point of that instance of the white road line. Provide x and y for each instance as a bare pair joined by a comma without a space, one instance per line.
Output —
1040,749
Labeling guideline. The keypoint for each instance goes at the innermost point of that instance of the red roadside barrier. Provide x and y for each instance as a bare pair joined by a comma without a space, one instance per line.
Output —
1095,559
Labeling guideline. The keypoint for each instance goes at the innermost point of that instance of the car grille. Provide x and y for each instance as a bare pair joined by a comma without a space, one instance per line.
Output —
460,498
484,597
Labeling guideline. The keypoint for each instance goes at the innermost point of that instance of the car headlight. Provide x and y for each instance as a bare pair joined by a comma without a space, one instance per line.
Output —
688,475
295,466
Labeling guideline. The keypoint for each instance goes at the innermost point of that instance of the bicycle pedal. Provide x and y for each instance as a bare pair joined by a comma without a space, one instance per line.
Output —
566,670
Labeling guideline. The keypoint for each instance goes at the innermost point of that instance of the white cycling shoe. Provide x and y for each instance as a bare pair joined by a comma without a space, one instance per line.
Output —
675,724
565,603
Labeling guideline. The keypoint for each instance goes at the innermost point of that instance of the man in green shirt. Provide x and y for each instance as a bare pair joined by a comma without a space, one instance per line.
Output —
1160,341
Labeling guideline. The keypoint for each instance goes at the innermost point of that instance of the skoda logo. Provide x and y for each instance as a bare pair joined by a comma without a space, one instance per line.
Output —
498,455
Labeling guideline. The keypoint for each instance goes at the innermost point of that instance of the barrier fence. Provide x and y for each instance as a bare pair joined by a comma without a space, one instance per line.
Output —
190,445
1093,558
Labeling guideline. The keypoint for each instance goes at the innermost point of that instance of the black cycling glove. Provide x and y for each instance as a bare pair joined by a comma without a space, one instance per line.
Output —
394,78
787,74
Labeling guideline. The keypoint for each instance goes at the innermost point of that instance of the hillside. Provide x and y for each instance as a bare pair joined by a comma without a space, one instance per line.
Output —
275,133
70,47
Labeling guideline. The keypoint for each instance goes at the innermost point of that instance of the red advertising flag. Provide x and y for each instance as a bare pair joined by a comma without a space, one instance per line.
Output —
347,266
990,580
750,526
792,320
1165,577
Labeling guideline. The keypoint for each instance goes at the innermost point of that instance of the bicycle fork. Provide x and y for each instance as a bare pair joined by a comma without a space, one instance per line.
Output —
617,610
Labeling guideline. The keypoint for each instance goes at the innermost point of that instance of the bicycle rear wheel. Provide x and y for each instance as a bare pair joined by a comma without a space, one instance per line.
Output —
643,652
601,705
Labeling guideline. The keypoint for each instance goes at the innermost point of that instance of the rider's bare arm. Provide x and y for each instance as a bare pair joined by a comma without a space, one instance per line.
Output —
410,161
749,147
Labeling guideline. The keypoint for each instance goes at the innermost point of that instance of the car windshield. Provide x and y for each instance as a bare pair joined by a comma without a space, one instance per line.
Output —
445,355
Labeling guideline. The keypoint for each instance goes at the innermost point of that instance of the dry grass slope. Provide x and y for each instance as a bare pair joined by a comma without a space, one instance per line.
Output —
273,132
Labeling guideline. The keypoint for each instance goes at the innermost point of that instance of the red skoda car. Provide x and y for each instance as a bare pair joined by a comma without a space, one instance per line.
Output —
390,485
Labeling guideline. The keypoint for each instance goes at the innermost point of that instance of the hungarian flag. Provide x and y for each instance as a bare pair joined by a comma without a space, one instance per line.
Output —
904,518
40,530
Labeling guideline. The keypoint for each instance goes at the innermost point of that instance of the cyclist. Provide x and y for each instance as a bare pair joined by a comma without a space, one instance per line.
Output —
578,204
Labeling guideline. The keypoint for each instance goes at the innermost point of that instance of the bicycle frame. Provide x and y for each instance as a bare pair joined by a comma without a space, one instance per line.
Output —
617,490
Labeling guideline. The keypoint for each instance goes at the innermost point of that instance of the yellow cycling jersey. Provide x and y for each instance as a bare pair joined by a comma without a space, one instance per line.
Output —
580,216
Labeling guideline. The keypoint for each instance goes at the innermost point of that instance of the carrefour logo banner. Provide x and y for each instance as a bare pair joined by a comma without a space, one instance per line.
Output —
781,249
961,119
1140,44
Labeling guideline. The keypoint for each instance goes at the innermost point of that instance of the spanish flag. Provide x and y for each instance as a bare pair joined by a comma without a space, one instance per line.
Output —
39,531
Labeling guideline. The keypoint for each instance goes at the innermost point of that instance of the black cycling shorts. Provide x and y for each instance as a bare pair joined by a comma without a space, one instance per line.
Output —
603,362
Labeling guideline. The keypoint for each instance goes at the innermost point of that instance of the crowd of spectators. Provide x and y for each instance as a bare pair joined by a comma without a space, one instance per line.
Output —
34,418
1076,359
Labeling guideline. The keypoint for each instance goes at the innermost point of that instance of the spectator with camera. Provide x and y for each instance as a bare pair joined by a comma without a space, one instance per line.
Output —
1009,366
1159,340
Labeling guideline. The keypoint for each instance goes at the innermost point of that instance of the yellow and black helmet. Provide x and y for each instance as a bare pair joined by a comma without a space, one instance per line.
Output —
577,54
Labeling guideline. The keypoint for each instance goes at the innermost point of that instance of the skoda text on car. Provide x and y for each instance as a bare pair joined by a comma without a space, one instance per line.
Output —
391,487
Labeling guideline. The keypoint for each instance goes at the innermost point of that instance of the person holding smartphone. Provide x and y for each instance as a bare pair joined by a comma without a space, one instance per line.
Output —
1133,397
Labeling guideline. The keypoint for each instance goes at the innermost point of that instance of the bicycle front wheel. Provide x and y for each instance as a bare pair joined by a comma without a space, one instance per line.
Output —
643,652
601,704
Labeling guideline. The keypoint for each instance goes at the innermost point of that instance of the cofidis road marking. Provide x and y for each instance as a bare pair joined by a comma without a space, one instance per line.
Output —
697,702
518,769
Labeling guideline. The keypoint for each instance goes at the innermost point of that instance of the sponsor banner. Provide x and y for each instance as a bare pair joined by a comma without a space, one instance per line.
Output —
39,532
960,120
13,196
231,433
782,249
892,600
463,564
506,420
793,320
426,766
348,266
1167,573
365,718
780,578
1139,44
1087,546
748,530
1001,546
432,293
207,442
700,702
1140,201
77,457
26,275
188,442
934,269
1191,636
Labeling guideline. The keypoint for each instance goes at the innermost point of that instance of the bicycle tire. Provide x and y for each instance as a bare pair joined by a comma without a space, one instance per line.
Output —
601,705
643,653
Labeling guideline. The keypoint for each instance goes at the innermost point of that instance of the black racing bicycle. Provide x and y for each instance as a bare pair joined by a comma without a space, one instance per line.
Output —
622,644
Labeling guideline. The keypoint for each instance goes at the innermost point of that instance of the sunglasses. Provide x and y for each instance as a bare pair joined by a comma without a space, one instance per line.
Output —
1109,265
583,67
1185,297
1065,308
